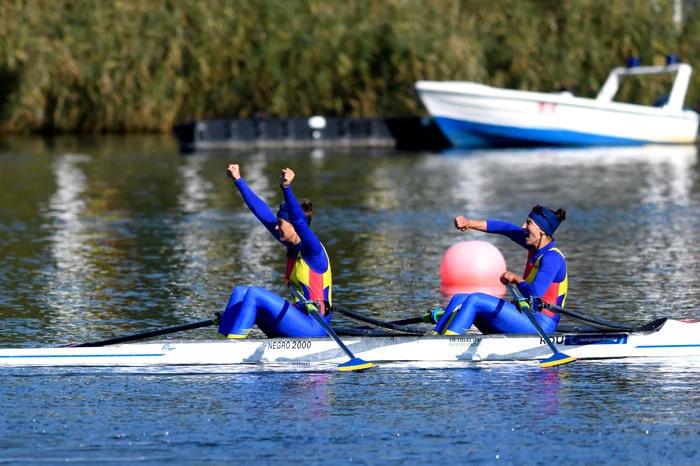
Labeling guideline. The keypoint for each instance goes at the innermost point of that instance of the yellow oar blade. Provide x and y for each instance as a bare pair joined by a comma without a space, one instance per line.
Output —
557,360
355,364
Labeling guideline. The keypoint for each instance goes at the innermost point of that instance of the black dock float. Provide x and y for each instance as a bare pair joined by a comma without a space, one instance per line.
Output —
408,133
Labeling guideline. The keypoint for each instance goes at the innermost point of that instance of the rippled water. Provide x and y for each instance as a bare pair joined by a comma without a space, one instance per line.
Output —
586,413
112,236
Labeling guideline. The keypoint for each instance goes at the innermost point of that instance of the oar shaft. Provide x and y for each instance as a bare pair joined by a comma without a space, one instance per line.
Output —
620,326
354,364
607,324
525,309
540,330
409,321
360,318
331,333
430,317
154,333
311,309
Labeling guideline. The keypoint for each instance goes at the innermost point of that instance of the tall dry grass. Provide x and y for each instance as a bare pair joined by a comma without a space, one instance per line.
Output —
143,66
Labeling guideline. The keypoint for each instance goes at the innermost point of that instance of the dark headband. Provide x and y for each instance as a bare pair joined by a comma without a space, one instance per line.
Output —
545,219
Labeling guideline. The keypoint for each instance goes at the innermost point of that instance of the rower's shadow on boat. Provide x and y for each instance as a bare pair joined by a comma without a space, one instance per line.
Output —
258,355
472,355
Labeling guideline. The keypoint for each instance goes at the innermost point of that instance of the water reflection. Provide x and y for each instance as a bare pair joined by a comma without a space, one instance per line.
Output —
308,396
579,156
168,237
65,214
193,199
547,384
194,245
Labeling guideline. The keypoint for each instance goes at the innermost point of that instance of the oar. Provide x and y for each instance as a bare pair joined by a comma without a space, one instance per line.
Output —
354,364
558,357
154,333
433,316
620,326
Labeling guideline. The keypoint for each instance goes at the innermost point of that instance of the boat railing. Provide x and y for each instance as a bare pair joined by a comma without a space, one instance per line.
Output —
679,89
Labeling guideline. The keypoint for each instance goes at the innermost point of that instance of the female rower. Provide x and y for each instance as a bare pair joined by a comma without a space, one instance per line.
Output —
308,268
545,277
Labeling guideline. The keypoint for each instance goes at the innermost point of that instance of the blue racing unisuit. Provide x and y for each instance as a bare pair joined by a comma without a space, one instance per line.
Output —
545,277
308,269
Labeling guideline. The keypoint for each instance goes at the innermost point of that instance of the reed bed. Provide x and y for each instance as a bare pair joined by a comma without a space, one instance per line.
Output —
76,66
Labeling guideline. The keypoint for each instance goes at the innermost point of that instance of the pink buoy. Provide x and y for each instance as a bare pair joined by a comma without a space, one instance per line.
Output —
471,266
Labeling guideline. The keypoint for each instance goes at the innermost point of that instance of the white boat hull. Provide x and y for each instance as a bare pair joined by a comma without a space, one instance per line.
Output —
475,115
673,339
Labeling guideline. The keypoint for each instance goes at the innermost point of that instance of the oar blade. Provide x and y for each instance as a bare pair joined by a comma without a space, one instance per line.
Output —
557,360
355,365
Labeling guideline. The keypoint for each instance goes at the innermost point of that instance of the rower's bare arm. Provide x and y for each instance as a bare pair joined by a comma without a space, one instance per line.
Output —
233,171
464,224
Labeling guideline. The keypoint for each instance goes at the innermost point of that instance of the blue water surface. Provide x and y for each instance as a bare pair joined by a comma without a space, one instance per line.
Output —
509,413
115,236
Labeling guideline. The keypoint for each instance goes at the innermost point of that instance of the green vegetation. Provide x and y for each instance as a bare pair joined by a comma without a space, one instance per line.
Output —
144,65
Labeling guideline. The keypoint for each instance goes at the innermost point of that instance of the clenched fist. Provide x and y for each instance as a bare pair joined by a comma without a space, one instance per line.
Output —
462,223
286,177
233,171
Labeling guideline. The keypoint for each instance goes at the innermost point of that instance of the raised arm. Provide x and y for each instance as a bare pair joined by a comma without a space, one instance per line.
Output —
512,231
464,224
311,246
256,205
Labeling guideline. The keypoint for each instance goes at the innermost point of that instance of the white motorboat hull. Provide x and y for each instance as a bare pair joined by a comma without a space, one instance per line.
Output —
476,115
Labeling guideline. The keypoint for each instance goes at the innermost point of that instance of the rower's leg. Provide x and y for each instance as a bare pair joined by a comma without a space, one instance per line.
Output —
453,312
484,311
489,314
276,317
231,316
495,315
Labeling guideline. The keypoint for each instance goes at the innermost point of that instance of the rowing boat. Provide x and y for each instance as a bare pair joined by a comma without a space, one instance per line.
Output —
662,338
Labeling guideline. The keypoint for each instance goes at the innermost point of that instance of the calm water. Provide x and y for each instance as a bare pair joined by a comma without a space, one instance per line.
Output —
113,236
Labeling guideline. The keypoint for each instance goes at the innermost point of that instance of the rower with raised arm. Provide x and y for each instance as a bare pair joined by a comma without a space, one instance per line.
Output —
545,277
308,269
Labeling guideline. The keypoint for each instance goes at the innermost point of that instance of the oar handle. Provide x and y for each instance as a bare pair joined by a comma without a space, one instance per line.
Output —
308,305
521,302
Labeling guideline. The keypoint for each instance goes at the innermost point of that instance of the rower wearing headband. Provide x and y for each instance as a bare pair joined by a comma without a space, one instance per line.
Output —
545,277
308,268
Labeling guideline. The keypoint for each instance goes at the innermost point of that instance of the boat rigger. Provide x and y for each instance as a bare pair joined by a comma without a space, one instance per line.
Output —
665,338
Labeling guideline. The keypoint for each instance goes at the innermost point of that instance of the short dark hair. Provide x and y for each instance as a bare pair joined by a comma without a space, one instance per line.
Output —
307,207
